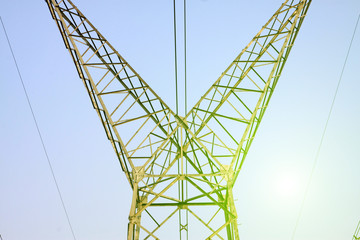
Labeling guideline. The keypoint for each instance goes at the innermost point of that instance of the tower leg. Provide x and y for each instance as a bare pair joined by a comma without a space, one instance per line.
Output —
133,223
233,224
232,228
134,218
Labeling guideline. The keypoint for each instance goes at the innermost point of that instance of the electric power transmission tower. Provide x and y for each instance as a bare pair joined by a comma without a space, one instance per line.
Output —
181,169
356,235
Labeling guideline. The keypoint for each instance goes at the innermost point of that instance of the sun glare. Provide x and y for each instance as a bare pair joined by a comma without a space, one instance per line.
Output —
287,185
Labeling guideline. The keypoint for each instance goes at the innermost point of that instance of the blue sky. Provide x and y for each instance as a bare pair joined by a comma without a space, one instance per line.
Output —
94,189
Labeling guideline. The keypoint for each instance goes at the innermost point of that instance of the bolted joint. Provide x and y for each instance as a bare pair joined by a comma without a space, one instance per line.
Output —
134,220
181,121
228,173
143,201
138,174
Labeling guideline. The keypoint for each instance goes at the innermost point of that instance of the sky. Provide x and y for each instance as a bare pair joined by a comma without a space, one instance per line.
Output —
271,185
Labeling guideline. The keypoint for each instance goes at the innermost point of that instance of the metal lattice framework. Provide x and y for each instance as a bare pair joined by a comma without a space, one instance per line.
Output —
181,169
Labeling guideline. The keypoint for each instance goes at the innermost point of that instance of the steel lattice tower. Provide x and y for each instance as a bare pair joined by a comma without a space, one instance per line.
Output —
181,169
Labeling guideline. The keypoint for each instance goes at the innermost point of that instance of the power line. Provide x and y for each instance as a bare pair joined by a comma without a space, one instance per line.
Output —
323,134
185,57
38,130
177,101
176,74
185,80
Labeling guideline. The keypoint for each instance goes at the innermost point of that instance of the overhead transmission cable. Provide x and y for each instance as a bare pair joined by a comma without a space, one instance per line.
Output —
323,134
185,90
185,95
177,100
185,77
176,59
38,130
176,73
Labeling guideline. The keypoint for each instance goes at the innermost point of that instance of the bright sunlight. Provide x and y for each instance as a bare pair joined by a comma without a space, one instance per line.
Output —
287,185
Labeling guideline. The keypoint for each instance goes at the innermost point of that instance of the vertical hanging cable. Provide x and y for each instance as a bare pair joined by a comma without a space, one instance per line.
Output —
185,90
38,130
177,105
322,136
176,74
185,57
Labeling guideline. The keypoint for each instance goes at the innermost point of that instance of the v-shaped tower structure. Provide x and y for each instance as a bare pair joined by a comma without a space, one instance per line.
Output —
181,169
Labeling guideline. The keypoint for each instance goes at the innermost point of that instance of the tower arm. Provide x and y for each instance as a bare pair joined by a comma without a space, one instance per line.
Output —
228,115
123,100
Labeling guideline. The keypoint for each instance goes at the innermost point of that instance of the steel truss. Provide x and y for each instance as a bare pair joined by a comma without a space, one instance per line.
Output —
181,169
